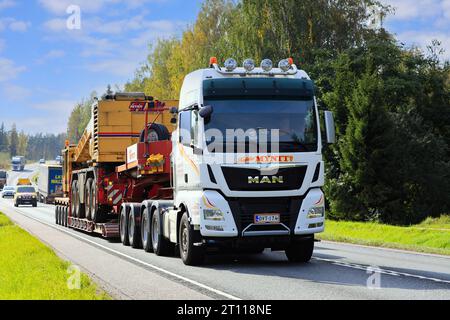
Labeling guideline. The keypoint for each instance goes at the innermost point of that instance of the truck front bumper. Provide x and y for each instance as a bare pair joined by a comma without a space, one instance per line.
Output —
235,217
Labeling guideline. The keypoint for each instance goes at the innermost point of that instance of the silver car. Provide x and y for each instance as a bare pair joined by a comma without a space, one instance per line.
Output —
8,192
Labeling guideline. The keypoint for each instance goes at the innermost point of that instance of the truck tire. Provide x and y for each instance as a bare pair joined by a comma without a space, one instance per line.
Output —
134,229
74,200
301,251
57,210
123,226
146,238
63,216
190,254
88,199
96,214
156,132
80,206
161,245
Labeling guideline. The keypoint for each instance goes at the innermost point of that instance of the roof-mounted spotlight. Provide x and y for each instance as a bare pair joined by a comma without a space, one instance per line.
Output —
230,64
249,65
267,65
285,64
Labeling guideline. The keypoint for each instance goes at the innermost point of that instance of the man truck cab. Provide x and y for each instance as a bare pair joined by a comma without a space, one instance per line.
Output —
247,161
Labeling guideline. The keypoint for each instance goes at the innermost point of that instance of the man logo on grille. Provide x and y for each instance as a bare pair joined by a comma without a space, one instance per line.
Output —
266,180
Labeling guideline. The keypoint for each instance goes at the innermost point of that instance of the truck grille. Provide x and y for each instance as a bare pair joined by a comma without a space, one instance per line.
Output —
244,210
242,179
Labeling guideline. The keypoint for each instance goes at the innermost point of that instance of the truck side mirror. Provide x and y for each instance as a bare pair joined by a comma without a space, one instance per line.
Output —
330,127
206,111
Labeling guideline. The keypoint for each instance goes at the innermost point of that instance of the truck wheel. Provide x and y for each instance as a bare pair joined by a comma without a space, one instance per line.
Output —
80,206
145,231
301,251
190,254
65,216
134,230
96,215
88,199
161,246
57,215
123,227
74,200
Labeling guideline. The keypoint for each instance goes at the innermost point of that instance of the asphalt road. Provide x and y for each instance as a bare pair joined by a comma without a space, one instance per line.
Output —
337,271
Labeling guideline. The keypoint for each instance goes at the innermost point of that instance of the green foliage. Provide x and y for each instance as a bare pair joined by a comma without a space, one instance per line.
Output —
391,163
391,104
13,141
45,146
79,118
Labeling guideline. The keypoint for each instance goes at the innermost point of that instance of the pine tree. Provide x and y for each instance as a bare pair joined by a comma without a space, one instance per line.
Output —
365,152
3,139
13,141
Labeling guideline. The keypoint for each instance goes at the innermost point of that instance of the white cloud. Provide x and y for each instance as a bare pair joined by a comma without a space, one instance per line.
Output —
422,39
90,6
51,55
14,25
419,9
14,92
9,70
6,4
117,66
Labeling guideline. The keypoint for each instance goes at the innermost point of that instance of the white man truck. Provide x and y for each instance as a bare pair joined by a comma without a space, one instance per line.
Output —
243,170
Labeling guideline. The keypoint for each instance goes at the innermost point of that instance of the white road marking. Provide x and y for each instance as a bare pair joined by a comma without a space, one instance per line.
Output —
174,275
383,271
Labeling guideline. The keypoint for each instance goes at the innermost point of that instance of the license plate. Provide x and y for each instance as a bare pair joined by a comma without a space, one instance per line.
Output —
267,218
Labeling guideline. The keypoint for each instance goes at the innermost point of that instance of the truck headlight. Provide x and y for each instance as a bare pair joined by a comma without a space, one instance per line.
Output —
213,214
316,212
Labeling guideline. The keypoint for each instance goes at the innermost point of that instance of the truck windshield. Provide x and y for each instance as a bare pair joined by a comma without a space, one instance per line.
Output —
293,122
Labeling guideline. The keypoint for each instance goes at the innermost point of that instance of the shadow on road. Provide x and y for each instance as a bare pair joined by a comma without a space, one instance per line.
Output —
337,272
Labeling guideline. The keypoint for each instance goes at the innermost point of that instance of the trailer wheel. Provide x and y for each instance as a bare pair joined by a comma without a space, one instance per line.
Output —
96,214
88,199
191,254
301,251
145,231
123,227
57,209
161,246
65,216
74,199
134,230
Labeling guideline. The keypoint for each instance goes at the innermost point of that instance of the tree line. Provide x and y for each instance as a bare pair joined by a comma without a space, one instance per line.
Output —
392,103
32,146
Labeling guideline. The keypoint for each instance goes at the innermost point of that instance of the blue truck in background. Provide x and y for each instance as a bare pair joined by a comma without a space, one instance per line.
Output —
49,183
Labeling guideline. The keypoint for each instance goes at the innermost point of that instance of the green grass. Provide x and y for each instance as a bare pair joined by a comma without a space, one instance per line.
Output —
31,271
436,223
431,236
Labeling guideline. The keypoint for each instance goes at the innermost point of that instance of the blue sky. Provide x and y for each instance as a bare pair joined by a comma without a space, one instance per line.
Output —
45,68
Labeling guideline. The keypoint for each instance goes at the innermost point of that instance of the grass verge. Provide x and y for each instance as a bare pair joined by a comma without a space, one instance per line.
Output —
31,271
431,236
